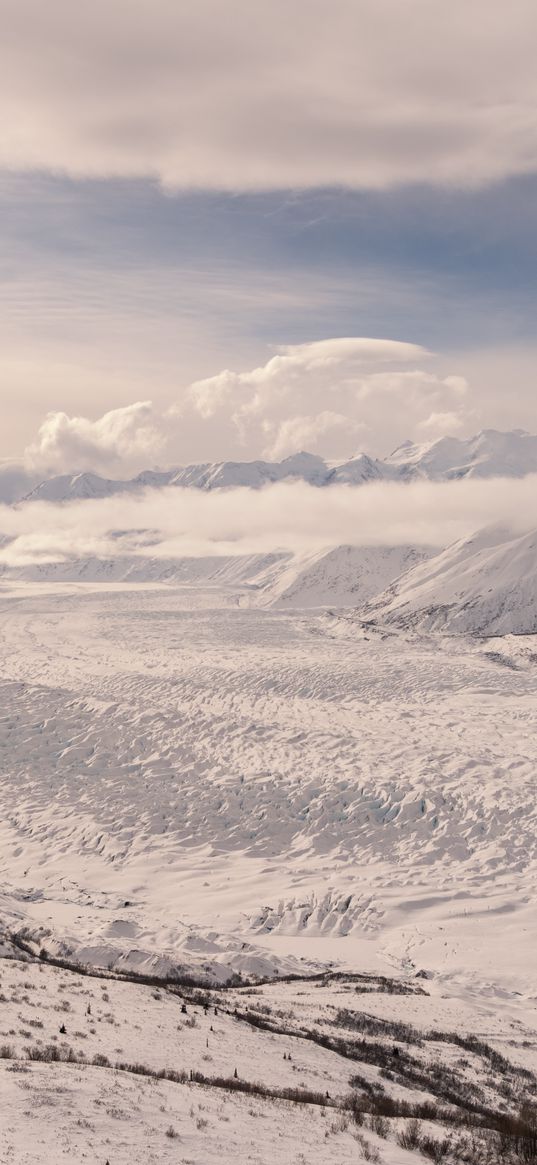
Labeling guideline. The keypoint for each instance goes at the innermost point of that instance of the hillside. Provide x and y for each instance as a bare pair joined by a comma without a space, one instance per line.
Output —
343,576
484,585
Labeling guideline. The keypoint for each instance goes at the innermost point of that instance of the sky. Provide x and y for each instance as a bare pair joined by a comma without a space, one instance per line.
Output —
236,231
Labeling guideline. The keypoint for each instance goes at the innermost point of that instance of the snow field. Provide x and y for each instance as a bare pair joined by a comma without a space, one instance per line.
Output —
177,783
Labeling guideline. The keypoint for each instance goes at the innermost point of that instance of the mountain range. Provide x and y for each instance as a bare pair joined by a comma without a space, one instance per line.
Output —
488,454
483,585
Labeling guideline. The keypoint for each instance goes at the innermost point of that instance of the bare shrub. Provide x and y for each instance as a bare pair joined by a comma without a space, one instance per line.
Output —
410,1137
379,1125
436,1150
47,1053
369,1153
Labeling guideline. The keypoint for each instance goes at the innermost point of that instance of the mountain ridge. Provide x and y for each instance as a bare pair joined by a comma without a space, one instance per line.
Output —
483,585
489,453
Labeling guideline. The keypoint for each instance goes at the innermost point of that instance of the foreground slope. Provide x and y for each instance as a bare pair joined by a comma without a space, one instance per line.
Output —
484,585
229,793
310,1072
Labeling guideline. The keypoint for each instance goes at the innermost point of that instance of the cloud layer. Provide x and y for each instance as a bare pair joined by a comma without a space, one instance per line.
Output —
175,523
365,93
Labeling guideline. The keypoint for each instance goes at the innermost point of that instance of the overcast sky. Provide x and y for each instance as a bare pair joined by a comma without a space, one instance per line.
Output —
194,199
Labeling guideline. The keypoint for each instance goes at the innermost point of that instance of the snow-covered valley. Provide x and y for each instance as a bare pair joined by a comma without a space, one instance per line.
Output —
156,747
195,787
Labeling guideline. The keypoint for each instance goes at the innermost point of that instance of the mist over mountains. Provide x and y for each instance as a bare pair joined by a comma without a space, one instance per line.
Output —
390,551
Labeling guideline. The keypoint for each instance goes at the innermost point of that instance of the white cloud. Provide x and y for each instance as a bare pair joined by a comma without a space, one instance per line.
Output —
287,398
328,395
361,349
364,93
115,441
440,425
294,516
296,433
416,385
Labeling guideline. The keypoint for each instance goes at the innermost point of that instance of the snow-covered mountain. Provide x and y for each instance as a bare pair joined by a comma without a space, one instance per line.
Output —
222,571
344,576
206,476
489,454
68,487
339,576
484,585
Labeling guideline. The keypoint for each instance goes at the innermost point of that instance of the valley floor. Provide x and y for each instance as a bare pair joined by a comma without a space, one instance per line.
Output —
186,782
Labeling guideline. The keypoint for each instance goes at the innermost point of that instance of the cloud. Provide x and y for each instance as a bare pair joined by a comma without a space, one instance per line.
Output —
293,361
328,395
440,425
116,440
365,94
416,386
296,433
361,349
286,399
290,516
